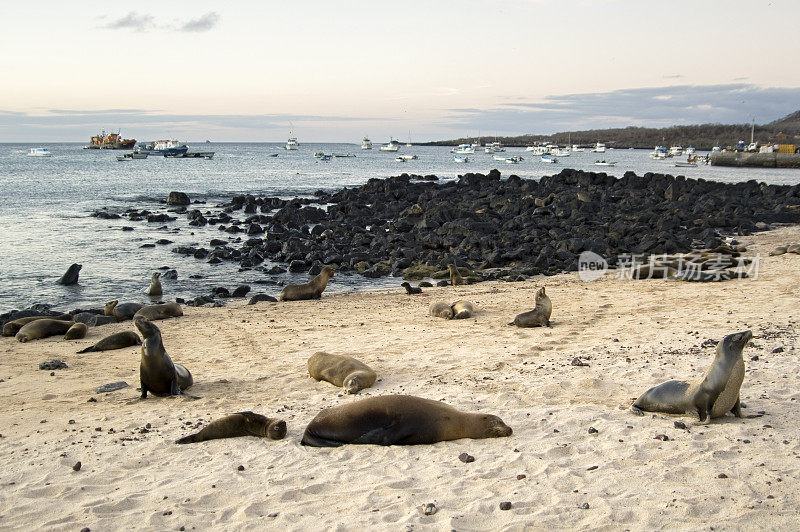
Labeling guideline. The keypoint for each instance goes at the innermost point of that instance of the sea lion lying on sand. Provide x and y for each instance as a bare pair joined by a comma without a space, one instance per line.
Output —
440,309
161,311
12,327
310,290
121,311
42,328
77,331
239,424
340,370
118,340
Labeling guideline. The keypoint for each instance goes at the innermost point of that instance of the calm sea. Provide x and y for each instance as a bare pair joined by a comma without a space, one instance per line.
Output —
45,205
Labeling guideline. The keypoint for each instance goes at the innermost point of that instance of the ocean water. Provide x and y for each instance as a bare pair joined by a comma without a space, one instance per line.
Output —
45,207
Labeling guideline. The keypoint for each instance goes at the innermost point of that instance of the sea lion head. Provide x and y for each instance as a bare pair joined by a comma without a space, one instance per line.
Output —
155,276
109,308
493,427
735,342
147,328
328,270
276,430
540,293
352,384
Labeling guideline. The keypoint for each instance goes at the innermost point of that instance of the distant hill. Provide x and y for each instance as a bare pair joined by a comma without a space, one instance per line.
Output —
702,137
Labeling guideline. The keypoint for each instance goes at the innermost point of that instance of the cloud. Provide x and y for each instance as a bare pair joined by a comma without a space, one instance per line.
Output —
132,21
201,24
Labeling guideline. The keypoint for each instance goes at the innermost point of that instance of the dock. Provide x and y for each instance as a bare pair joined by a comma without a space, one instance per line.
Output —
758,160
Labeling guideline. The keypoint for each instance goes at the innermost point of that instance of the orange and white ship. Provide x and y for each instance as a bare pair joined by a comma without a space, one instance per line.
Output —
110,141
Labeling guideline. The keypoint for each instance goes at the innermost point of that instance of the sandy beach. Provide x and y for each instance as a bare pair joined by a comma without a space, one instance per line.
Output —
556,473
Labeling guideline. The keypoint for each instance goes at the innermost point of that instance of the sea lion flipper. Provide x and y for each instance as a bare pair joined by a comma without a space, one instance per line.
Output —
191,438
395,433
737,408
636,410
87,350
312,440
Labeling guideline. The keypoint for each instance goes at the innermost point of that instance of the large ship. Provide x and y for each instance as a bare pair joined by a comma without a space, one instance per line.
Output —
110,141
163,147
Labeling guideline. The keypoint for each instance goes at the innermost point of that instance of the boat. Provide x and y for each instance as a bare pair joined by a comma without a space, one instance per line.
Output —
604,163
344,155
291,143
39,152
400,159
675,151
190,155
494,147
561,152
499,157
537,150
162,147
659,152
110,141
690,150
408,157
319,155
548,159
272,155
575,148
681,164
124,158
131,156
715,149
599,148
325,158
464,149
393,145
458,159
513,160
366,144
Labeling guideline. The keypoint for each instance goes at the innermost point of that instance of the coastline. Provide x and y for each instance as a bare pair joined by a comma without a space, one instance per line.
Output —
632,334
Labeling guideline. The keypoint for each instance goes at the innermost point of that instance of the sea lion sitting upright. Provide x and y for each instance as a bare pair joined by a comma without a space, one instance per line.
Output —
310,290
539,316
455,277
398,420
440,309
118,340
411,289
462,309
71,275
340,370
161,311
121,311
42,328
12,327
155,285
715,394
157,374
239,424
76,332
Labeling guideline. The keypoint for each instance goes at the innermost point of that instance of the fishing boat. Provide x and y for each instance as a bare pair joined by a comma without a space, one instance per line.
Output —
659,152
366,144
548,159
110,141
291,143
393,145
599,148
162,147
464,149
675,151
458,159
131,156
604,163
39,152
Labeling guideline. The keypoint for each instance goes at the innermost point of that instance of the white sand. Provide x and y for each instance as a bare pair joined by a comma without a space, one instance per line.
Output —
633,334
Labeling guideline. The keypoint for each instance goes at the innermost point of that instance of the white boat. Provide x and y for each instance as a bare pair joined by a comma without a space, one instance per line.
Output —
681,164
604,163
366,144
292,144
548,159
131,156
458,159
689,151
464,149
659,152
537,150
499,157
400,159
408,157
513,160
393,145
716,149
675,151
561,152
494,147
599,148
575,147
39,152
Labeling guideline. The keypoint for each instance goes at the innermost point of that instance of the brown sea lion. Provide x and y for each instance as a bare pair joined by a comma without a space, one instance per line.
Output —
155,285
793,248
455,277
410,290
440,309
340,370
12,327
157,374
462,309
715,394
398,420
76,332
42,328
310,290
653,271
118,340
122,311
70,277
239,424
539,316
161,311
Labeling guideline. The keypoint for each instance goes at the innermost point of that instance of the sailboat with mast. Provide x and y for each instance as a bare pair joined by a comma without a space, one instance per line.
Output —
291,143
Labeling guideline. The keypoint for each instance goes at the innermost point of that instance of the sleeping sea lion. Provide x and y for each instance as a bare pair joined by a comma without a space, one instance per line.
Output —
462,309
155,285
76,332
12,327
715,394
42,328
340,370
455,277
239,424
310,290
157,374
161,311
118,340
440,309
121,311
398,420
539,316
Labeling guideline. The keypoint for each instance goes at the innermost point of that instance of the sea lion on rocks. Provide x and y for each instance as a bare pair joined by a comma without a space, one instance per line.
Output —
157,373
71,275
715,394
12,327
42,328
462,310
398,420
155,285
440,309
310,290
340,370
161,311
122,311
455,277
76,332
118,340
239,424
411,289
539,316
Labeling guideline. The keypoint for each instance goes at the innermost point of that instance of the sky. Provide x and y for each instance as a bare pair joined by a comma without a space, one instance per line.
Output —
335,71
